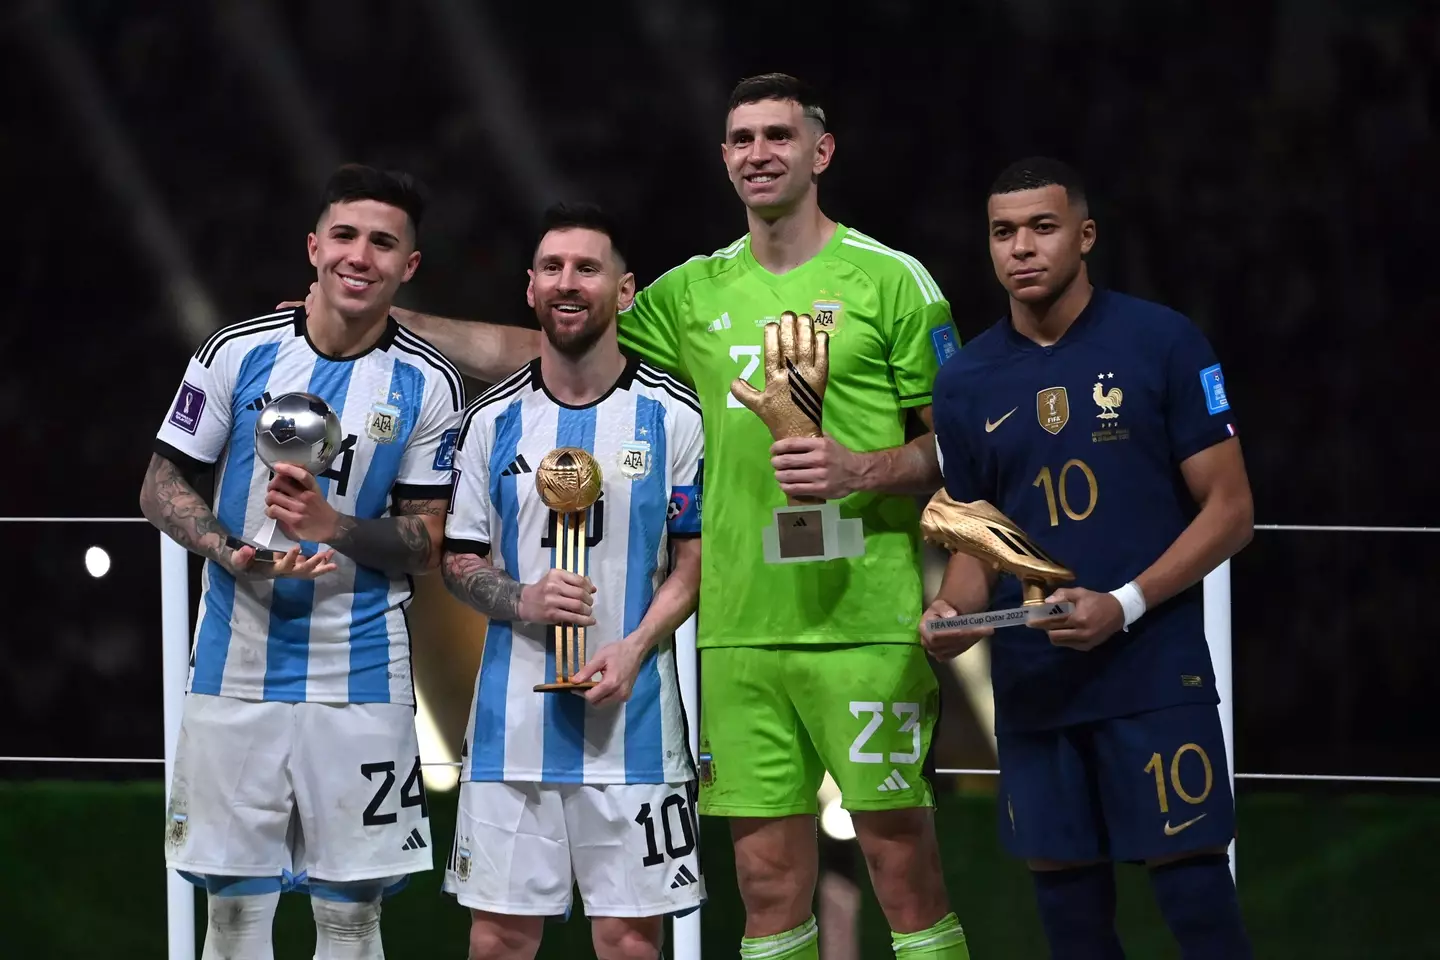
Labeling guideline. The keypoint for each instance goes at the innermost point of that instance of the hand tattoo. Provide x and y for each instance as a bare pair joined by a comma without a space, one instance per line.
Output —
487,589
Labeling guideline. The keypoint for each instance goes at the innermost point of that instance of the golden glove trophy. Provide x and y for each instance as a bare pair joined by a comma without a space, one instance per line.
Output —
797,367
568,481
983,532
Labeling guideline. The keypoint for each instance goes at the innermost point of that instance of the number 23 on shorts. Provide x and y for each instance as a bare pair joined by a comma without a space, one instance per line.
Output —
908,716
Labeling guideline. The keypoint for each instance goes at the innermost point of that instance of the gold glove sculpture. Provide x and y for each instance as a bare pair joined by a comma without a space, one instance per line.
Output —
797,366
983,532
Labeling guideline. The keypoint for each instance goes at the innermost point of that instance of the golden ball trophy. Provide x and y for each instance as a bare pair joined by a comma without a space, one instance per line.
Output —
568,481
797,368
981,531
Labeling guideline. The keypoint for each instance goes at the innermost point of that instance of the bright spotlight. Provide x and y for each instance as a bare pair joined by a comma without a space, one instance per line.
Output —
97,562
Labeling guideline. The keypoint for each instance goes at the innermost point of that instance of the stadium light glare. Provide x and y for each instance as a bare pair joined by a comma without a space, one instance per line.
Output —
97,562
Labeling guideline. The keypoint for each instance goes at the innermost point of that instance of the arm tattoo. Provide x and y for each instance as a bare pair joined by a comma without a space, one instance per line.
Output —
489,590
171,504
393,545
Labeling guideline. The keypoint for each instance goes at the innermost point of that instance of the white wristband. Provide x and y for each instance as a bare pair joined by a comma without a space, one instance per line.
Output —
1132,601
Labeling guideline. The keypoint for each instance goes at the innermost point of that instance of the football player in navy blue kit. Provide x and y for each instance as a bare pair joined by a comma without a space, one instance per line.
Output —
1099,423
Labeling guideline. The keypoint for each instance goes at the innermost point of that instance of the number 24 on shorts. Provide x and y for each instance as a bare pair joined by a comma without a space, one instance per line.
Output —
909,716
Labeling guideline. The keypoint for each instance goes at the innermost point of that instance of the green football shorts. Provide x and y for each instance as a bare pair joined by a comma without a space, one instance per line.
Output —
774,719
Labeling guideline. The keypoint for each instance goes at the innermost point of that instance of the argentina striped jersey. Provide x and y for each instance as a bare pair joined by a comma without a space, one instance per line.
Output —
341,638
646,435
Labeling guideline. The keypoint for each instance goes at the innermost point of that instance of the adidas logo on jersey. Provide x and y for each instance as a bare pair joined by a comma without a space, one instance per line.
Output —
517,467
894,782
683,878
259,402
415,841
721,324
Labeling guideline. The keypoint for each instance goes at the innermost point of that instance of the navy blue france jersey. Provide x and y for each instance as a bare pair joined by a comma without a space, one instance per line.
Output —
1080,443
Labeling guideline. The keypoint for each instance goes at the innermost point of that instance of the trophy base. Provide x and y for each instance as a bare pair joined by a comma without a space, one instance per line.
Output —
262,554
564,685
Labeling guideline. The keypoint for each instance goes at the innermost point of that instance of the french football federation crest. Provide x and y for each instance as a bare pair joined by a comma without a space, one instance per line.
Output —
1106,400
1052,409
634,459
382,423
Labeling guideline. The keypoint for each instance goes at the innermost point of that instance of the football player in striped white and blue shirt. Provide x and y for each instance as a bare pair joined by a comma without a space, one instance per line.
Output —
298,755
558,788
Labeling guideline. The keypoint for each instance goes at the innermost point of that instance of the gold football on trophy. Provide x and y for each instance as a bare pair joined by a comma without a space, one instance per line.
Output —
568,480
983,532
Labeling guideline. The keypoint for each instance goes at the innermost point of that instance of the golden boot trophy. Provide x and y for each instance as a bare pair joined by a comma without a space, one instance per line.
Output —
797,368
568,481
981,531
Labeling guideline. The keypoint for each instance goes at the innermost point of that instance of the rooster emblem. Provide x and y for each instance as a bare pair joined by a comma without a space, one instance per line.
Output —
1107,400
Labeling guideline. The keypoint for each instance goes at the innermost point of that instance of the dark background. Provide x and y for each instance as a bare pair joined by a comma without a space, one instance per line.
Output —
1268,168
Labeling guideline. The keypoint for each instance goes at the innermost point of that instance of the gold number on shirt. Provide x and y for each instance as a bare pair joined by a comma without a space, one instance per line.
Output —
909,716
751,354
1157,767
1042,479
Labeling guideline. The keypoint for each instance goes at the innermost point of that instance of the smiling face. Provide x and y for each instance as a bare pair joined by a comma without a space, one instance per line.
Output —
577,284
774,154
1038,240
362,251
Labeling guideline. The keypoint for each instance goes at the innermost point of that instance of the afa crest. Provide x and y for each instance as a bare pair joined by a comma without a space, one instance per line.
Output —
1052,409
382,423
634,459
827,315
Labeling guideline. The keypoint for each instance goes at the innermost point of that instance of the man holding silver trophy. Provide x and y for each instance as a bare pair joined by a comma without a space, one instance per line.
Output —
331,437
575,528
1093,427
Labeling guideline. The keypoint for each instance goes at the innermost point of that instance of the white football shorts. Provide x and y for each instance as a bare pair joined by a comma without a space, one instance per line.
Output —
332,791
522,847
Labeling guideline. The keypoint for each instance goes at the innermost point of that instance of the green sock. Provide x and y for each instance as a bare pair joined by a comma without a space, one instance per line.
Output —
802,943
944,941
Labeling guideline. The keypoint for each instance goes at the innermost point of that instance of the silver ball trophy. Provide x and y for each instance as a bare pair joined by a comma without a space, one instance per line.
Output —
299,429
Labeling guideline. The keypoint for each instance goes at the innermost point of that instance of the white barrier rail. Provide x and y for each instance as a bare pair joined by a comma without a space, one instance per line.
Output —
175,620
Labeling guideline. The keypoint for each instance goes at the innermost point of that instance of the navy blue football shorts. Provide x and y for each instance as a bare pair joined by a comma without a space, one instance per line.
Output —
1131,788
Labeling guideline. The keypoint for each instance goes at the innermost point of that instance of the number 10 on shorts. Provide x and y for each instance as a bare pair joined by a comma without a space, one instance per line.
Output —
907,717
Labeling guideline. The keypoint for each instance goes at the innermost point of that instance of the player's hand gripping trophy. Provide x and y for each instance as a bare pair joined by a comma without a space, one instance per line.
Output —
299,429
797,368
569,482
983,532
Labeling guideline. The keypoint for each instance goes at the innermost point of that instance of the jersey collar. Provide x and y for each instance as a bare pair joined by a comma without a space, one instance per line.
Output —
387,339
776,279
627,376
1077,331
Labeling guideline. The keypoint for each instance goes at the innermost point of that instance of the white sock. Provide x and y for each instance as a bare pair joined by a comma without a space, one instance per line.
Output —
346,930
239,928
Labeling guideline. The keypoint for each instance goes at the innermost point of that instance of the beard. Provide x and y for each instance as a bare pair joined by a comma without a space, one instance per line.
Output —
575,340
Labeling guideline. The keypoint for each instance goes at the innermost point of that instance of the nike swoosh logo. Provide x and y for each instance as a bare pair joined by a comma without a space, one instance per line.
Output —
1171,831
989,427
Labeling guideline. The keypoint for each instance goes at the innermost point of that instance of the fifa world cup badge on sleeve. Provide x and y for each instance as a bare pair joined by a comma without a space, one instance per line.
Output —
295,428
569,482
981,531
797,368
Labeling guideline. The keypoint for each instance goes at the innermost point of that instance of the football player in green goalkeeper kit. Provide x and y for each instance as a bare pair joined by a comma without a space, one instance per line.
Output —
805,667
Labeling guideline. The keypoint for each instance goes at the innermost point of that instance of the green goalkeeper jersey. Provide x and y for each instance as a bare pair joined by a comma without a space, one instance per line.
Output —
890,329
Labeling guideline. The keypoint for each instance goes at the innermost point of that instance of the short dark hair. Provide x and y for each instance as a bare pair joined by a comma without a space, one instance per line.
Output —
778,86
1033,173
583,215
357,181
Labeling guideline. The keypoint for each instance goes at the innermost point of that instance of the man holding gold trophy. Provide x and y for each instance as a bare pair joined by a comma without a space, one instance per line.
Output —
812,592
1095,428
575,530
